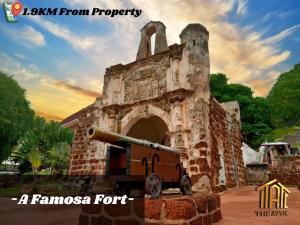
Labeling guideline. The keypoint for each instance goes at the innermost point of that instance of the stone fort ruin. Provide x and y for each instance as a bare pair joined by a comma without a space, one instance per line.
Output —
165,98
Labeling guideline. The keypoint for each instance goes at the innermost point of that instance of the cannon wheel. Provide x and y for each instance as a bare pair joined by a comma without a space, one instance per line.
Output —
153,185
186,185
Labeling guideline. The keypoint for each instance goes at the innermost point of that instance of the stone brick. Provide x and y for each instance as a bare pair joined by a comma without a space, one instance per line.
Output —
217,199
211,203
180,209
95,221
207,220
153,208
195,178
104,221
83,220
81,161
201,144
127,222
162,223
140,210
91,208
202,152
198,221
216,216
117,210
201,202
203,164
194,169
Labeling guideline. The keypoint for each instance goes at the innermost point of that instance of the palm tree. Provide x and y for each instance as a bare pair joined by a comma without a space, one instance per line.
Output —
46,144
35,159
27,150
59,157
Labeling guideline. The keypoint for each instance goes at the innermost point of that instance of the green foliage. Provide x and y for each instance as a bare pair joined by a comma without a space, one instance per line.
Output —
46,137
25,144
255,112
15,114
33,140
35,159
296,145
218,84
225,92
279,133
284,99
59,157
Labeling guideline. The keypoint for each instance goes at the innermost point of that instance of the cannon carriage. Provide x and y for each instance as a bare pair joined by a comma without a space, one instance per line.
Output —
136,163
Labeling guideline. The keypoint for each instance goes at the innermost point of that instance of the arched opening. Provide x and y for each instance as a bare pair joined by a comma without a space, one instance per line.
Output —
152,129
151,35
152,39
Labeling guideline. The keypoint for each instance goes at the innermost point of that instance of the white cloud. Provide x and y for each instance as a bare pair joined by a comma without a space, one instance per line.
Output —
30,35
13,67
278,14
283,34
77,42
67,87
27,35
242,7
262,86
20,56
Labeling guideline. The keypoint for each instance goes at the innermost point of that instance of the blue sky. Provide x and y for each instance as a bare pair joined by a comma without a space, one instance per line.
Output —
60,60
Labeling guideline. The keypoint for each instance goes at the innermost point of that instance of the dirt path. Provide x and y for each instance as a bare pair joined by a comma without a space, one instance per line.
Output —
238,207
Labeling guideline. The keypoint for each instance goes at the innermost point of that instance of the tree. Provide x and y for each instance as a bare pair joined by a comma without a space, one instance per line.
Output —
59,157
218,82
26,152
15,114
46,142
284,99
255,112
35,159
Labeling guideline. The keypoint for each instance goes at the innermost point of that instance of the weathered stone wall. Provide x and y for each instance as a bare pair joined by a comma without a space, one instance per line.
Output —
257,174
287,170
189,210
227,161
84,158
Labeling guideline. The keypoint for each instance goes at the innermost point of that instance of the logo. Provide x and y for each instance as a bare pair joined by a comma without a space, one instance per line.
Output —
11,10
273,192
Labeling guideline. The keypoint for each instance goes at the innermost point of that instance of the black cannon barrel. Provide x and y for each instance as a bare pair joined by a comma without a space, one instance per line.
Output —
114,138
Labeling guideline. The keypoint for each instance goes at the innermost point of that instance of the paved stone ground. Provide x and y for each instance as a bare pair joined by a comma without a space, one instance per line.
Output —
238,207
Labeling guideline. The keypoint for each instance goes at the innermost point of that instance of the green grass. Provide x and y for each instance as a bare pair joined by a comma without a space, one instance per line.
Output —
14,191
280,133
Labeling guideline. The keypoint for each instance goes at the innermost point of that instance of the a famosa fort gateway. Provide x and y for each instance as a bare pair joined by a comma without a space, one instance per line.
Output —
165,98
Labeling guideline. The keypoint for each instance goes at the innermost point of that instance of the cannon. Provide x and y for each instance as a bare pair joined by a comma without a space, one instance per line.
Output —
128,158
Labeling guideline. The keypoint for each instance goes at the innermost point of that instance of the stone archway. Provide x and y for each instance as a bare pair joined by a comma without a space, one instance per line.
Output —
153,27
152,129
152,118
